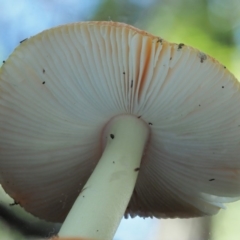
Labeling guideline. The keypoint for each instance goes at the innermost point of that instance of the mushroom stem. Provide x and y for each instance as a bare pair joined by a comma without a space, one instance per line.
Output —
100,206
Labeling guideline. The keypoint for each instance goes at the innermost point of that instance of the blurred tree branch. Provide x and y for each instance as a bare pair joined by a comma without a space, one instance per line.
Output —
27,227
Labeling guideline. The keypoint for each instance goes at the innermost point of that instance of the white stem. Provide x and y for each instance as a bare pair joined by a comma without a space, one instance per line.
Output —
100,206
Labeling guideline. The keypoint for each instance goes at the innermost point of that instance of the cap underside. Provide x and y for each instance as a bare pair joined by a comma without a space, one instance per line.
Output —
60,88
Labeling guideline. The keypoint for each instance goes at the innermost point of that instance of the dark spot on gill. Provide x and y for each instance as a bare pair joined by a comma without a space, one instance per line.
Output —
222,86
112,136
43,82
4,61
131,83
150,123
212,179
23,40
137,169
43,70
14,203
180,45
203,57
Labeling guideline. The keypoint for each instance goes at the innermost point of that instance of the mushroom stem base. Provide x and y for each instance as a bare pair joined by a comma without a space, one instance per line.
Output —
100,206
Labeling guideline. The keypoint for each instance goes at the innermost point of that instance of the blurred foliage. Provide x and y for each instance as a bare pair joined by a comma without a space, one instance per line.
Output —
205,24
225,225
118,11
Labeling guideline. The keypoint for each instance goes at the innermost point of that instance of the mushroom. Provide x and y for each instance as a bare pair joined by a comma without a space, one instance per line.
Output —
100,120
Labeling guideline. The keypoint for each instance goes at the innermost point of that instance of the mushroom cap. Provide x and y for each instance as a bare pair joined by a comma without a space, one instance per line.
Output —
59,89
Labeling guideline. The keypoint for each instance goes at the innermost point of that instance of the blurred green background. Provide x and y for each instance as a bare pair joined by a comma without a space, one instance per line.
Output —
210,25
